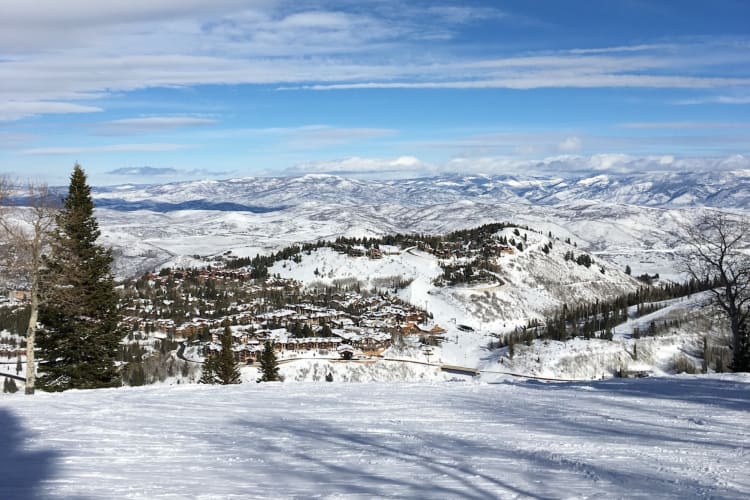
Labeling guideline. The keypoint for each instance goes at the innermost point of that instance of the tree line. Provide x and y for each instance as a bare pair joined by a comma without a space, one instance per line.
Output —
597,319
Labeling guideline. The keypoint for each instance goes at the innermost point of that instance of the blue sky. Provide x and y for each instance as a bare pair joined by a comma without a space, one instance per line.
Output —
160,90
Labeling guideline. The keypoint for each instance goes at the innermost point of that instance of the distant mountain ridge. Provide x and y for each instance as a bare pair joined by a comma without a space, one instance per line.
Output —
725,189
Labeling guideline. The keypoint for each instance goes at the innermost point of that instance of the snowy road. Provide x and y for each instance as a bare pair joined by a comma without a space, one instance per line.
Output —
684,437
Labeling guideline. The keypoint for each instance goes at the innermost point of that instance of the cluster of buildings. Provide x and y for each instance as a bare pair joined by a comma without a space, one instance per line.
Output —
345,342
344,324
450,250
11,351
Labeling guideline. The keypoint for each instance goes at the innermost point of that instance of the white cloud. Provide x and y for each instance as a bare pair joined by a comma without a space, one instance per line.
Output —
408,166
81,49
684,125
15,110
552,79
111,148
143,171
719,99
151,124
464,14
623,48
570,144
166,171
52,24
403,166
546,143
628,163
574,164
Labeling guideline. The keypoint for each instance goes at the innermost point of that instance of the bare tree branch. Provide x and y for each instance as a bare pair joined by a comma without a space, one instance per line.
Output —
719,251
25,231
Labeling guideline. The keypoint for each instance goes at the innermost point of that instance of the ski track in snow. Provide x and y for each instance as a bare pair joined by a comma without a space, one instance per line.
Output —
678,437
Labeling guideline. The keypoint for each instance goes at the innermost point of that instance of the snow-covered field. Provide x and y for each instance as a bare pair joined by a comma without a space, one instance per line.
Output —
680,437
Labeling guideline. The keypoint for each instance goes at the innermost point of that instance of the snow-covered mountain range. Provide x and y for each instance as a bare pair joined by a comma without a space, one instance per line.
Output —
726,189
634,219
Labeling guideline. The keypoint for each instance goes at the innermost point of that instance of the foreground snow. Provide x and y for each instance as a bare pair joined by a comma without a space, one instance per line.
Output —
678,437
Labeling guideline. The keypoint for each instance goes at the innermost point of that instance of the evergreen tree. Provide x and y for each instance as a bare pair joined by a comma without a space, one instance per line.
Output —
325,330
9,385
134,375
268,364
228,372
79,339
307,331
511,346
209,369
222,368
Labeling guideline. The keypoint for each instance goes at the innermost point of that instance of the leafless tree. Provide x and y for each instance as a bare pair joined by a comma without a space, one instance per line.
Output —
25,231
719,250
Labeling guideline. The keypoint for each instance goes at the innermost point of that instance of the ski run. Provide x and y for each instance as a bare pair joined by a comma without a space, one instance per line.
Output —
673,437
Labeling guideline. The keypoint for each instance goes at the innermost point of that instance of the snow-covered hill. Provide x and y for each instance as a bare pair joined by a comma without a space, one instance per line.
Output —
528,285
681,437
631,219
644,238
313,207
724,189
637,220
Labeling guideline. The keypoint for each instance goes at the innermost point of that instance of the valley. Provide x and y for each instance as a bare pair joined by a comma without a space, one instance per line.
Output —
540,227
591,214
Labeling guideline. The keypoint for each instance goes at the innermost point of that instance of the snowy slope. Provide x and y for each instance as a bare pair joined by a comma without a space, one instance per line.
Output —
683,437
534,283
644,238
530,284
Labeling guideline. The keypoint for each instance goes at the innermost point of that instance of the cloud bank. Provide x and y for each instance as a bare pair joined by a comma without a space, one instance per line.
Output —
145,125
143,171
561,165
64,56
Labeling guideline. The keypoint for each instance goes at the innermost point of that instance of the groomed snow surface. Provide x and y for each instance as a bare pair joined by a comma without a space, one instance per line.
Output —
678,437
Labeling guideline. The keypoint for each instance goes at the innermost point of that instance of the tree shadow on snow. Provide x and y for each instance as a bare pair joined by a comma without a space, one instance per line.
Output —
306,457
296,454
22,471
724,394
623,418
325,459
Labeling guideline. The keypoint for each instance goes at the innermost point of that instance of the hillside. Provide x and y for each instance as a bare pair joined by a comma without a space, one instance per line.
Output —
682,437
589,212
636,220
527,285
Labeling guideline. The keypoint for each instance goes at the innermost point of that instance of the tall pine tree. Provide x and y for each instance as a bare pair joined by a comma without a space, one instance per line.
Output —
268,364
79,339
221,368
209,369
